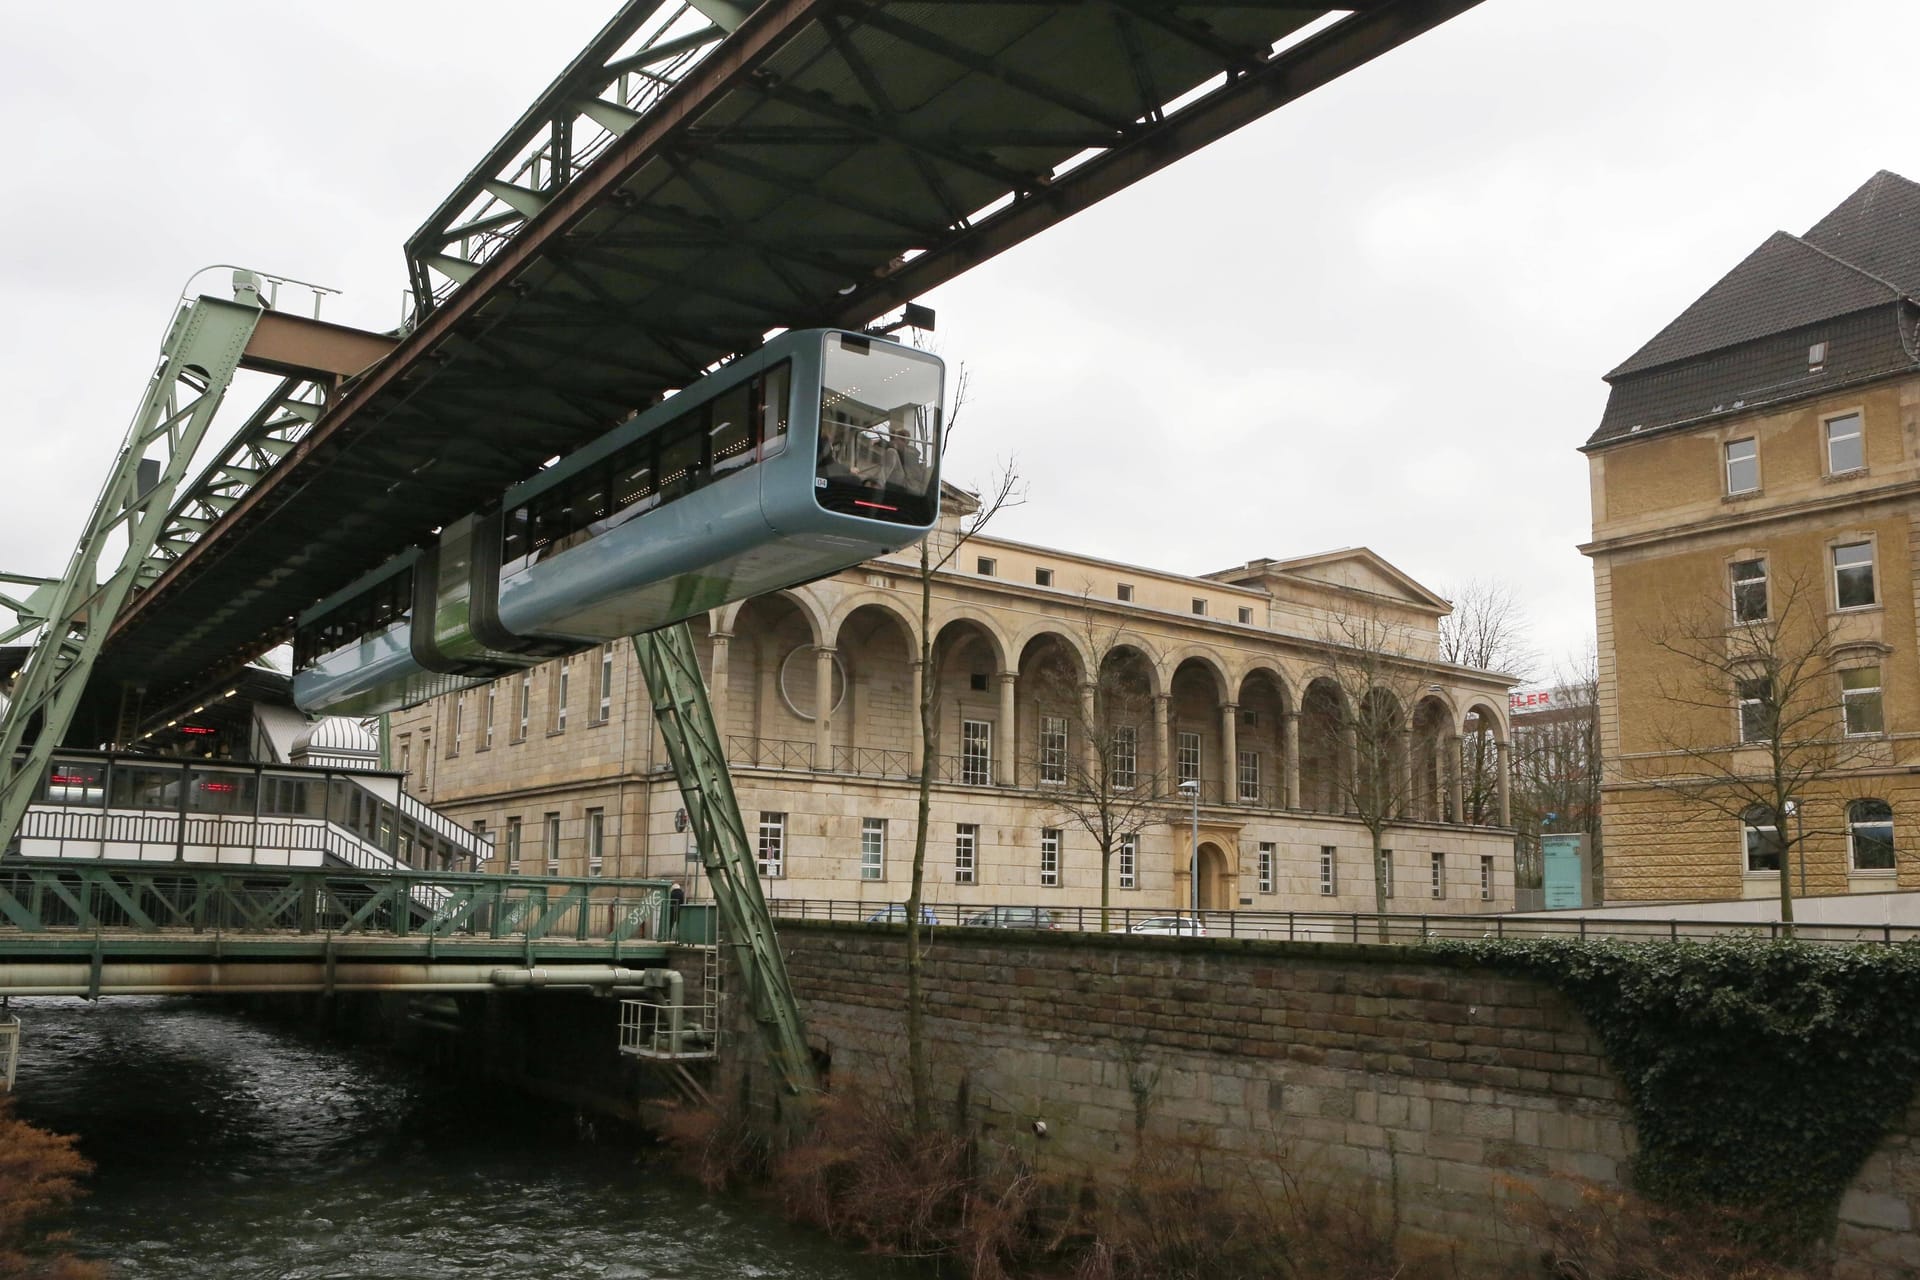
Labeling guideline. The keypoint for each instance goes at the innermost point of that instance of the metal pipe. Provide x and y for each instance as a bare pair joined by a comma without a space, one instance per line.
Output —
212,978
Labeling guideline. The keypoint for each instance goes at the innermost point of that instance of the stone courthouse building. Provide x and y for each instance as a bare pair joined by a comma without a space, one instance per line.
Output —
1758,466
1218,678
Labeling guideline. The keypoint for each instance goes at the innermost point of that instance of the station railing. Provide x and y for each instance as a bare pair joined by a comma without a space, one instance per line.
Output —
1330,926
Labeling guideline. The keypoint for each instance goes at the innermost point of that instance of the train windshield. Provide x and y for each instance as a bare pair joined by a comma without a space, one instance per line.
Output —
879,430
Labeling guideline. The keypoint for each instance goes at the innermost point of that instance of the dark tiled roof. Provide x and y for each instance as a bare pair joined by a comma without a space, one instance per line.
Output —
1784,284
1853,280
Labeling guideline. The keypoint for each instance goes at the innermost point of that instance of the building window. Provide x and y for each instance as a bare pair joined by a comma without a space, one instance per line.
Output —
976,752
596,840
1329,871
513,846
459,724
606,683
966,848
550,842
1250,776
1049,857
1386,873
1265,867
1743,466
406,757
1870,833
486,731
1437,873
1125,592
1755,695
1764,849
1187,757
561,676
526,704
1246,614
1853,575
873,848
1199,607
1846,447
772,849
1860,701
1486,877
1128,857
1749,590
1053,750
977,681
1126,756
1043,577
984,566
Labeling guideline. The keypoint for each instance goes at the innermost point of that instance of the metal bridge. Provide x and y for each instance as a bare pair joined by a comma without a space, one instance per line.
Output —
700,176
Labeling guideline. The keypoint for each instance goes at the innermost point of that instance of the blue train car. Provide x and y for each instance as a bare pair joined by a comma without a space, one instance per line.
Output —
816,452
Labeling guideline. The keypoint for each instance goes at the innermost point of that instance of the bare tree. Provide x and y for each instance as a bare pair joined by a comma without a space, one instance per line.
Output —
1369,657
1099,787
1002,490
1757,712
1556,764
1487,631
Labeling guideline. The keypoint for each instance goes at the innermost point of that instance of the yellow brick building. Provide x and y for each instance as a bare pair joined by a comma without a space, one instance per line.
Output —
1756,487
815,690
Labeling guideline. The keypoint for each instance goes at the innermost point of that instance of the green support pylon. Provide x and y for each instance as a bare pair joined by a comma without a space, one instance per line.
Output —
197,363
672,672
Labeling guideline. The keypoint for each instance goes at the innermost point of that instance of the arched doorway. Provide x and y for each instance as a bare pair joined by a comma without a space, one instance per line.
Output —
1215,887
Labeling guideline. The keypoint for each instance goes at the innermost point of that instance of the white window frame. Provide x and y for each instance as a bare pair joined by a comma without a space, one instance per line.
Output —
1245,615
1248,772
1437,874
1859,433
1265,866
1855,823
1043,577
1050,857
596,841
550,841
1329,871
1486,877
1128,858
1866,695
486,733
606,682
966,852
873,848
770,848
1123,592
1728,461
976,753
1749,831
1386,872
561,678
1199,607
514,835
1752,692
1053,751
526,703
1873,585
1766,601
1186,755
1126,757
459,724
985,566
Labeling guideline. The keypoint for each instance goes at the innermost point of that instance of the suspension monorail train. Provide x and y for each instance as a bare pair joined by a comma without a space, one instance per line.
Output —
814,453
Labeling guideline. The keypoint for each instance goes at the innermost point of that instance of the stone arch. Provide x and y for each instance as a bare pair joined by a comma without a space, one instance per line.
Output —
1202,658
878,727
1265,705
1431,734
1380,757
1052,723
1483,739
1324,717
988,628
1197,692
1065,636
969,659
775,721
806,602
846,606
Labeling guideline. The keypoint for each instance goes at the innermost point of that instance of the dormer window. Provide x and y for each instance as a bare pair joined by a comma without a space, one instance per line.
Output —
1816,357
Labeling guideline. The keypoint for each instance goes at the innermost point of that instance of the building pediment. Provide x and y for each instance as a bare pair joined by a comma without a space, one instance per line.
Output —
1356,570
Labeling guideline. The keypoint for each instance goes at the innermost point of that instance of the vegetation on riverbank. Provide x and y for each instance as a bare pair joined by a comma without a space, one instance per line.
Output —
40,1176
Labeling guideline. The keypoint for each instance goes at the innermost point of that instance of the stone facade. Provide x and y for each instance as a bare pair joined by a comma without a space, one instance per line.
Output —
1446,1093
1039,656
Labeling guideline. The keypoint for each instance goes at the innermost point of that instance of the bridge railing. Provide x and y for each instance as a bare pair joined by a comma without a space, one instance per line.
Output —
1329,926
87,898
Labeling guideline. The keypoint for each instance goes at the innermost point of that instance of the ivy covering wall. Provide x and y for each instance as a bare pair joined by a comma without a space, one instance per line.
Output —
1761,1074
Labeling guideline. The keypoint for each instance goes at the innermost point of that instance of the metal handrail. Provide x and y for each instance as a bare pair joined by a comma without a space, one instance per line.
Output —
1394,928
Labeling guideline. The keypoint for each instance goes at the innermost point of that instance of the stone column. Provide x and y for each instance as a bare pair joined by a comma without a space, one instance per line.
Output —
1455,768
1348,775
1230,752
1405,808
917,748
1290,765
1091,730
717,684
1003,750
1163,737
823,707
1502,753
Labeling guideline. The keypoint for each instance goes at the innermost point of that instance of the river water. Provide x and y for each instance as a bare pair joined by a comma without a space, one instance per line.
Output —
230,1148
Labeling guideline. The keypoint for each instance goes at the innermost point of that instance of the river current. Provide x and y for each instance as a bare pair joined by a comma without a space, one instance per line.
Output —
230,1148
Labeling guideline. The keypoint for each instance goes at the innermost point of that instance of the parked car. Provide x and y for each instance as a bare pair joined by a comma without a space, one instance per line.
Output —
897,914
1171,926
1013,918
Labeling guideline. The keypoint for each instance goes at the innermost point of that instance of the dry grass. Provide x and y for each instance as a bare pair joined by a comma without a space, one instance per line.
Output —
1610,1234
40,1175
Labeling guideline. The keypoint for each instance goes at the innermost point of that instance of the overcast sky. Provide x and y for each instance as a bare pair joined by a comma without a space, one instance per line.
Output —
1379,316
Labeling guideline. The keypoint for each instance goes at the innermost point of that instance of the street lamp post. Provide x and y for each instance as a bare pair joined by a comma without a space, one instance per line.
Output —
1192,787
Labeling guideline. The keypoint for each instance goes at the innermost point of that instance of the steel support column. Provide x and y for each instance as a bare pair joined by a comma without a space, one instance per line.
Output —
672,671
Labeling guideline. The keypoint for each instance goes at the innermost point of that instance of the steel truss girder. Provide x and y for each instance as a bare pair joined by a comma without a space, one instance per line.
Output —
203,348
672,671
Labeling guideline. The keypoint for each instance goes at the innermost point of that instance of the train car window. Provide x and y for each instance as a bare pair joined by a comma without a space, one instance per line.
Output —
775,386
515,541
680,457
732,431
879,431
633,479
